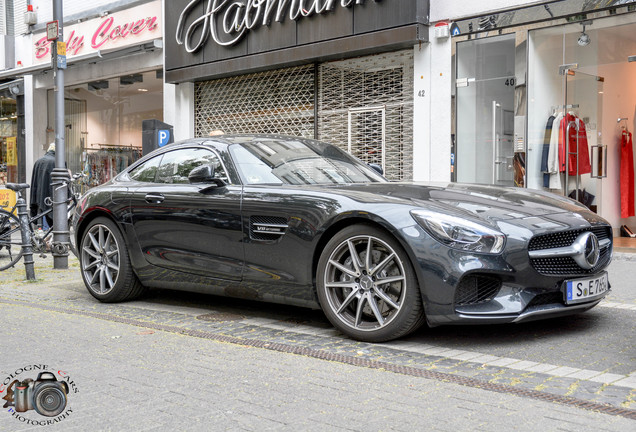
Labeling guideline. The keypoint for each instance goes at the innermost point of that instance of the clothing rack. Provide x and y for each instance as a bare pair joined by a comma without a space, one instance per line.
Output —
555,108
105,161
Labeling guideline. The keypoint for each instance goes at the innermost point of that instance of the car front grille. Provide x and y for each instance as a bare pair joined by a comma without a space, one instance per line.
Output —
475,289
566,238
565,265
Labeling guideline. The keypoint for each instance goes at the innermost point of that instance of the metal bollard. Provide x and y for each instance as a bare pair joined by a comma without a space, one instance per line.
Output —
27,248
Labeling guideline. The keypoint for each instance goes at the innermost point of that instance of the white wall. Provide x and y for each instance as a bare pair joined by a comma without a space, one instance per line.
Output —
456,9
35,118
44,8
432,109
619,100
178,103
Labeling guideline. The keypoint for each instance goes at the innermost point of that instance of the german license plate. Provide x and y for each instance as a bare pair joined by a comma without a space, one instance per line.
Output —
582,290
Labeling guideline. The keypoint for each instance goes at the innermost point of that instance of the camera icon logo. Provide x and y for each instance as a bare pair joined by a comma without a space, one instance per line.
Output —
46,395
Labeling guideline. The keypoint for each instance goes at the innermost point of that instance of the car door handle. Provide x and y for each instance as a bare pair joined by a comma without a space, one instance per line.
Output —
154,198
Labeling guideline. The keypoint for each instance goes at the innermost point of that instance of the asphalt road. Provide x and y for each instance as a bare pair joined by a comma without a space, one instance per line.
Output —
188,361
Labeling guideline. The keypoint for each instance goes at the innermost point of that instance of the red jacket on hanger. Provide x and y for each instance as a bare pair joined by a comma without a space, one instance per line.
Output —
627,175
583,154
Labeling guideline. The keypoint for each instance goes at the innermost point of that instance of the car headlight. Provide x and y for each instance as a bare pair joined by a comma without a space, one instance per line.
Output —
459,233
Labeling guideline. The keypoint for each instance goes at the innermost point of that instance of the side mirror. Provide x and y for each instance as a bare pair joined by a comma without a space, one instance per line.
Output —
377,168
204,174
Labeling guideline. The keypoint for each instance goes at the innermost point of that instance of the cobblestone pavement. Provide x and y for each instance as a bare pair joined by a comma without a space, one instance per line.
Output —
179,360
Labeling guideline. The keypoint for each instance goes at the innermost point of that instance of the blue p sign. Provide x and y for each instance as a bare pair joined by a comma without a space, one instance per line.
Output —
163,137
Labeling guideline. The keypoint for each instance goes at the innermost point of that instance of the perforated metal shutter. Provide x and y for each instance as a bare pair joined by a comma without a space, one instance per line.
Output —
279,101
366,106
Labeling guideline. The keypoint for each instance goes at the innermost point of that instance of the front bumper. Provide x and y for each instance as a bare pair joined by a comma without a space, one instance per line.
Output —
505,288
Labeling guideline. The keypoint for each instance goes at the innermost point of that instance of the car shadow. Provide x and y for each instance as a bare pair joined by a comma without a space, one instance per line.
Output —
473,337
484,337
244,308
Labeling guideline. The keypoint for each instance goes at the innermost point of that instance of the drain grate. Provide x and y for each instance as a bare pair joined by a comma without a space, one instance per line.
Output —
220,316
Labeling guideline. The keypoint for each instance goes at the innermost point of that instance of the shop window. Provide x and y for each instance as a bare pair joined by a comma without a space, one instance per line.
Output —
8,140
103,121
581,72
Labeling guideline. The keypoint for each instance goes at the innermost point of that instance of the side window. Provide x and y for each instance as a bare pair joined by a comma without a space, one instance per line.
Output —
146,171
176,165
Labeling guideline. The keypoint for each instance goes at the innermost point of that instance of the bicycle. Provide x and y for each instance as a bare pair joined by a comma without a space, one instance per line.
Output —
11,247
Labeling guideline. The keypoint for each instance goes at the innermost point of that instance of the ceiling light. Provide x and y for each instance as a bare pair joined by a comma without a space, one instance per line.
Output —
584,38
131,79
98,85
142,90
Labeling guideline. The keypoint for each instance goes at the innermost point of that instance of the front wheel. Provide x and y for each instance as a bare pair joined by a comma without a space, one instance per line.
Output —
105,264
367,287
10,240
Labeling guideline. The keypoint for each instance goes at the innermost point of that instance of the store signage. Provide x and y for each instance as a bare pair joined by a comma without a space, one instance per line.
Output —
228,21
61,55
163,136
120,29
52,29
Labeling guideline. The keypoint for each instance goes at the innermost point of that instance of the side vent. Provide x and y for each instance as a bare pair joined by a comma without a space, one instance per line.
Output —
267,227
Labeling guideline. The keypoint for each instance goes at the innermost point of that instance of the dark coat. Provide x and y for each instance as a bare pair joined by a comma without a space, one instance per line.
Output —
41,182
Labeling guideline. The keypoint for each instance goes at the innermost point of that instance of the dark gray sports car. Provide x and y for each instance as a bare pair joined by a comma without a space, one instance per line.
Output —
301,222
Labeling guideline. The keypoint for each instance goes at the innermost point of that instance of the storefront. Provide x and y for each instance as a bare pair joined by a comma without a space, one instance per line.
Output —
340,71
114,81
526,77
8,137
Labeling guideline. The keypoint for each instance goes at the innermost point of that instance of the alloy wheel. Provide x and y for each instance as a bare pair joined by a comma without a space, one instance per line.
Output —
100,259
365,283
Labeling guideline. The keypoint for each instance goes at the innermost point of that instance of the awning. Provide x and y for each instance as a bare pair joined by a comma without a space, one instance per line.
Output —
83,59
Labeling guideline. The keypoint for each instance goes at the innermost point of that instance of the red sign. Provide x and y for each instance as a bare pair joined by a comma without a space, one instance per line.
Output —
105,33
124,28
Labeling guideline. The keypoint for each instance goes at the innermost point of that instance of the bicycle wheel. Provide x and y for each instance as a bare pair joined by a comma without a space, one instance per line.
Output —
10,240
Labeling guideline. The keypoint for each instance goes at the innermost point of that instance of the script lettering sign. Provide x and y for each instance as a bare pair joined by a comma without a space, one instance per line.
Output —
117,30
228,21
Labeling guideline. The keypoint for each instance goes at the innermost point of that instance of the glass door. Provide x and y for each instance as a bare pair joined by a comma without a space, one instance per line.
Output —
485,110
580,127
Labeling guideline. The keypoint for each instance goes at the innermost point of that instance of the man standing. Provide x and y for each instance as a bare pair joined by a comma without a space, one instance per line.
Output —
41,186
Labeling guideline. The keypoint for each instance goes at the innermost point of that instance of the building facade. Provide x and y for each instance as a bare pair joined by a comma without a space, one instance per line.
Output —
113,81
345,71
430,90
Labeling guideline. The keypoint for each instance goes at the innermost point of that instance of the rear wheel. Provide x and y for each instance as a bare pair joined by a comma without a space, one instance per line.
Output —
105,264
367,287
10,240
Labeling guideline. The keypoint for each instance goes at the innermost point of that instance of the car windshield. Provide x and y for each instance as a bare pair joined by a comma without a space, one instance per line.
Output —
297,162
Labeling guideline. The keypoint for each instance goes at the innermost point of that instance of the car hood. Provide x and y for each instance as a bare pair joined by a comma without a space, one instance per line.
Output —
481,201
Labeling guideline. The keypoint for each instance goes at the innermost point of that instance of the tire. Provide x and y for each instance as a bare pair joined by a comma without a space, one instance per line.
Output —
10,240
105,264
372,301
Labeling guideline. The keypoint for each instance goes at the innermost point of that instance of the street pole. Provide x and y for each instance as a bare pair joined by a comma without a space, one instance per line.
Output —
59,174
